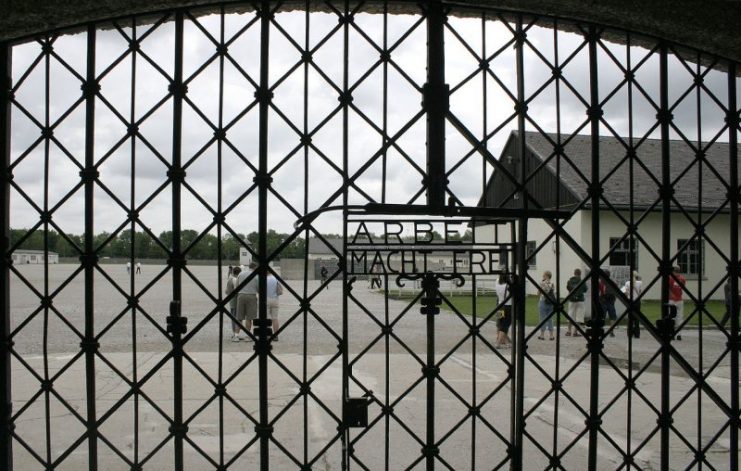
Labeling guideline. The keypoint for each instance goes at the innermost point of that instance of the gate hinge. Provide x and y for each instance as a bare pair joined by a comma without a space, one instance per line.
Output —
176,323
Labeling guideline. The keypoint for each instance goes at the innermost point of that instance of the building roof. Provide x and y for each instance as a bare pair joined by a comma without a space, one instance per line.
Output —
686,171
31,252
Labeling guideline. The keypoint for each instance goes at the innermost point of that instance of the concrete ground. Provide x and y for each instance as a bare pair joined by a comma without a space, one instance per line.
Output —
221,429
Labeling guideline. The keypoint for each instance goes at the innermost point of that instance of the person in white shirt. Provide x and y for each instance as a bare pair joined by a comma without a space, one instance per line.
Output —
632,290
231,284
272,291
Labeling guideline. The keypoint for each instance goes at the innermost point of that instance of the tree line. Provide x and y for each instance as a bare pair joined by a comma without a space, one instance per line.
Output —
145,247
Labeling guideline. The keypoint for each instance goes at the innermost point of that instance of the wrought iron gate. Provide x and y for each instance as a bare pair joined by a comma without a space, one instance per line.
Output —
174,135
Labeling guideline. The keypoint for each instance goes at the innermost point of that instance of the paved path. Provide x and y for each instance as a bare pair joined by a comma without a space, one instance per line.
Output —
307,352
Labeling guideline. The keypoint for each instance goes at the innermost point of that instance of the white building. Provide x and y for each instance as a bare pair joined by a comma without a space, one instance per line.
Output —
24,257
245,256
562,183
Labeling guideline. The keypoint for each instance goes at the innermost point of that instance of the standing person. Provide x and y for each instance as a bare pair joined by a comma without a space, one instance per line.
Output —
576,301
324,273
138,268
231,284
128,268
545,305
727,296
375,277
273,290
247,299
607,300
504,299
632,290
676,290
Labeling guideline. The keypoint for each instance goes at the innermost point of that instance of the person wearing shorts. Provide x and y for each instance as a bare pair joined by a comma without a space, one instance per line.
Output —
247,299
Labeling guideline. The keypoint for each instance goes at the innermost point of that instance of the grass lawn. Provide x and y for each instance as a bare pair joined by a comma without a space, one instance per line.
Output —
485,303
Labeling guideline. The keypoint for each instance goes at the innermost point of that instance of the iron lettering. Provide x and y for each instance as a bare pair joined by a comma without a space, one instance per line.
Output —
418,246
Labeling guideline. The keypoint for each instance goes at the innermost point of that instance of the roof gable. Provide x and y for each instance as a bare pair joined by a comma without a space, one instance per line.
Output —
637,180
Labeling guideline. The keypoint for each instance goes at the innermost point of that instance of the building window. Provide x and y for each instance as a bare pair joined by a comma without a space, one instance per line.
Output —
623,252
530,254
691,257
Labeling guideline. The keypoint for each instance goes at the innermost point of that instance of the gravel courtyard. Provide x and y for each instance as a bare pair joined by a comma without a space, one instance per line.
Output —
308,352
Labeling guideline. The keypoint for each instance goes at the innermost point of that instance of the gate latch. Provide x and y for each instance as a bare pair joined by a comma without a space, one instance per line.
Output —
356,410
176,323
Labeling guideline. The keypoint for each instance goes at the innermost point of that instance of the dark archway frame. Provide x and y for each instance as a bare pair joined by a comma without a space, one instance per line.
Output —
437,117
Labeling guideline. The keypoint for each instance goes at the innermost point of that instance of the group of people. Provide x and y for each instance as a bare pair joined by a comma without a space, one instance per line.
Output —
577,290
138,268
632,290
244,305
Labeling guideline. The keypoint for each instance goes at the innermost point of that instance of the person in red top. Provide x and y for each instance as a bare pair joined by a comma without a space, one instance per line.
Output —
676,288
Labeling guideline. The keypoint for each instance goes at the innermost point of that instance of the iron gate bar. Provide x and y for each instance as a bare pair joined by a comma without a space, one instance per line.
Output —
303,308
263,95
6,404
435,99
132,204
665,268
89,344
474,311
522,231
177,261
45,302
348,452
219,232
734,342
594,333
631,241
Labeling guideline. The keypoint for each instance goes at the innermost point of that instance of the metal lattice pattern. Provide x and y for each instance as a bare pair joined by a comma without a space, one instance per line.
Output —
182,132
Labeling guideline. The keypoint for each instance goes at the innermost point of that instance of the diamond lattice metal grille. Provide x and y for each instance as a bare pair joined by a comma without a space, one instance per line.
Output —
145,157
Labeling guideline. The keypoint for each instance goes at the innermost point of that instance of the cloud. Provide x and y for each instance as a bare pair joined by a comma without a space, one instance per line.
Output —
224,95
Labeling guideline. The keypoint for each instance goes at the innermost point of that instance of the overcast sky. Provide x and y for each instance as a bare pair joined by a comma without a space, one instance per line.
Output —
234,94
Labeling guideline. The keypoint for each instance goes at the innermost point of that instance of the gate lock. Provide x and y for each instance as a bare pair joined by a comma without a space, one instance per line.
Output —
356,410
176,323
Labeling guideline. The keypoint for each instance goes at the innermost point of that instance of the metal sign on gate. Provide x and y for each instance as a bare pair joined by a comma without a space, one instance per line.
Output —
408,246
